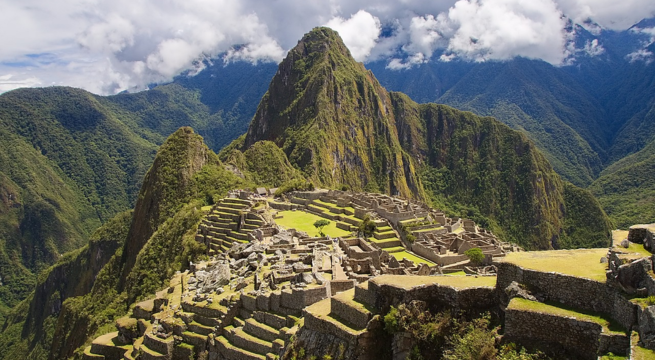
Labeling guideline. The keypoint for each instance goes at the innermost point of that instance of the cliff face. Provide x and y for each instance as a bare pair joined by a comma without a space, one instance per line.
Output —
333,120
336,123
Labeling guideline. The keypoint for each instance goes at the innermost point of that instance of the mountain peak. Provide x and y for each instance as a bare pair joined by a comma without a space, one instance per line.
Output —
321,40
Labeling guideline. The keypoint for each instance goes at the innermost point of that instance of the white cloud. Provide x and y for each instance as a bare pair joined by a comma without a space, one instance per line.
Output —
612,14
593,48
502,29
8,82
359,33
643,54
108,46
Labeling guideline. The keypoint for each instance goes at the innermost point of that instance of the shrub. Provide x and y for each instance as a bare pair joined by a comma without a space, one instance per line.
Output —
391,320
475,255
294,185
367,227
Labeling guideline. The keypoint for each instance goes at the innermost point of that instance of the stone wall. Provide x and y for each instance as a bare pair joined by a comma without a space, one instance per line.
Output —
579,293
431,254
299,299
578,337
436,296
337,286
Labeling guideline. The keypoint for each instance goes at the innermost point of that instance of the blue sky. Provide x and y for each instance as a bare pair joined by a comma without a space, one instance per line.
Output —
111,46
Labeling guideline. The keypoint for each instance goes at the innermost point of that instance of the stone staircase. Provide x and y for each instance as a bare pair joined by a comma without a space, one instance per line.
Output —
256,335
230,221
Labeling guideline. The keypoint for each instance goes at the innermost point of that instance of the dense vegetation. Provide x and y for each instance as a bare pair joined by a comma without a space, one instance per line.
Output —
70,160
62,315
324,110
336,123
444,336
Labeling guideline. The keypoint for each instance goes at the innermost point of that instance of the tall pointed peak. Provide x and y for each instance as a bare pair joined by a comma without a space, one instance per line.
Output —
321,40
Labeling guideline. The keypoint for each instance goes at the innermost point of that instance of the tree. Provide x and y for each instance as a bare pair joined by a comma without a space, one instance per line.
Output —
475,255
367,227
320,224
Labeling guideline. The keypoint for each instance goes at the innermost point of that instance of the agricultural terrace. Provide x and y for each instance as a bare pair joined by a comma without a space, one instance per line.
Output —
304,221
583,263
457,282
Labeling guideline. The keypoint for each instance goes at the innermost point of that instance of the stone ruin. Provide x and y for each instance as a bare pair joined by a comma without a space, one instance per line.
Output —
262,282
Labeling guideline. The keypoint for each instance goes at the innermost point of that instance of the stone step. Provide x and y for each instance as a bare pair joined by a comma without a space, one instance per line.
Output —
144,310
316,209
250,226
364,295
88,355
161,346
351,220
389,243
199,328
238,322
254,221
238,235
226,215
149,354
134,353
231,352
206,321
212,311
233,206
273,320
243,202
241,339
217,220
261,331
384,235
183,351
108,346
227,210
317,317
197,340
347,309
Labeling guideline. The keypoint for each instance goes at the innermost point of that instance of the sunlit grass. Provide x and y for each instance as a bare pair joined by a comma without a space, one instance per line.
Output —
304,221
583,263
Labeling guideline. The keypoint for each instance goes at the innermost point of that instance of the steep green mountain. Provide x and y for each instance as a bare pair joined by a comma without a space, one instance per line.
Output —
66,165
336,124
71,160
542,101
626,189
333,121
85,291
538,99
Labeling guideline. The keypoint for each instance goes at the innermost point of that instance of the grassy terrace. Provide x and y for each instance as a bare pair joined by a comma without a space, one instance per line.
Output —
584,263
619,235
304,221
560,310
458,282
640,353
417,260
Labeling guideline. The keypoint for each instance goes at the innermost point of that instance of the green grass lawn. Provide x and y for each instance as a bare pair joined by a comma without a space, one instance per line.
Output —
458,282
560,310
417,260
304,221
583,263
